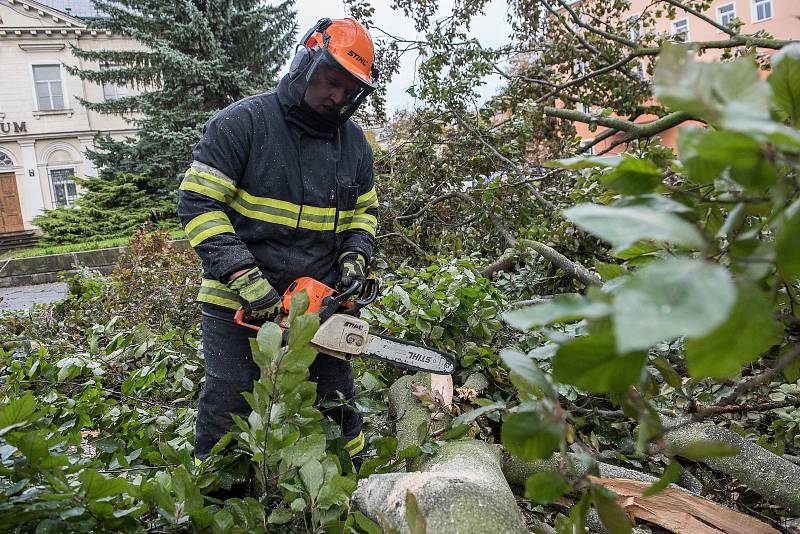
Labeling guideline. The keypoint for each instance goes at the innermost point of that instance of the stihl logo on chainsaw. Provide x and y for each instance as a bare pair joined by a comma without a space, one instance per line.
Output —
416,357
358,58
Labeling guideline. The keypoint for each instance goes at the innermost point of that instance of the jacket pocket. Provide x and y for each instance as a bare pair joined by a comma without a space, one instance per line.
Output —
346,195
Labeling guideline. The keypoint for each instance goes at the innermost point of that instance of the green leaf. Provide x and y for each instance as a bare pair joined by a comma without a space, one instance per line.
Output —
312,475
592,364
788,248
611,514
298,306
669,299
307,448
703,89
17,413
584,162
785,81
414,518
749,331
609,271
526,375
465,419
302,330
671,475
222,522
545,487
366,524
633,176
97,486
280,516
269,343
706,448
567,307
705,153
529,435
622,227
336,491
671,377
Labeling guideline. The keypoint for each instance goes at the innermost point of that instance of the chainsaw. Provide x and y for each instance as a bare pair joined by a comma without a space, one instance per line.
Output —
344,335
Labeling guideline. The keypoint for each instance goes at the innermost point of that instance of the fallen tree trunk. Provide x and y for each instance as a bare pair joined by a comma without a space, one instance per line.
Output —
766,473
460,489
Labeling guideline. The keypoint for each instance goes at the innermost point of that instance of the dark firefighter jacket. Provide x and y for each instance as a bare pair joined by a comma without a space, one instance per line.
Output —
266,190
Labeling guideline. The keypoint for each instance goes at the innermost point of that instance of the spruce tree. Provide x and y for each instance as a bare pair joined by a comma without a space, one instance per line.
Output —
198,56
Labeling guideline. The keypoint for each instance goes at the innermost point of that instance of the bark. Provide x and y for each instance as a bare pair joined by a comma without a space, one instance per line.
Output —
459,489
517,470
773,477
575,270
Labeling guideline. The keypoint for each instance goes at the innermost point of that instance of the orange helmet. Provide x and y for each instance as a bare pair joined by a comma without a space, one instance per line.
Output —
332,71
348,42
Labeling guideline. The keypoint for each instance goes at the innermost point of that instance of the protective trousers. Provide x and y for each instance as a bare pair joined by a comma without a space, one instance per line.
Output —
230,371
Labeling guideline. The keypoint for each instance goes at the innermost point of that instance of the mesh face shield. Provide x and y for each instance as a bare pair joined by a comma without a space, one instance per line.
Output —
330,90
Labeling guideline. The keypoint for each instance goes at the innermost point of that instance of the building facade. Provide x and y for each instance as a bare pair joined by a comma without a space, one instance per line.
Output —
779,18
44,130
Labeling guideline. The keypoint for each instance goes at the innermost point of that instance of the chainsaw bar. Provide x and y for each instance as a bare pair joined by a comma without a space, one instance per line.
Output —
402,353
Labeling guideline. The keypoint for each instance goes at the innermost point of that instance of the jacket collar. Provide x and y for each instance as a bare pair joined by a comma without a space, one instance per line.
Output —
296,112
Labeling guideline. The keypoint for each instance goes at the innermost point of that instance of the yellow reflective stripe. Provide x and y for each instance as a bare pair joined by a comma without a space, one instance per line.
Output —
209,232
268,202
361,221
203,190
206,225
205,217
263,216
314,218
367,201
211,178
355,445
213,292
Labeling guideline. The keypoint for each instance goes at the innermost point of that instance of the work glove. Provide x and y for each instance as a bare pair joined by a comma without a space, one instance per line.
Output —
352,266
259,299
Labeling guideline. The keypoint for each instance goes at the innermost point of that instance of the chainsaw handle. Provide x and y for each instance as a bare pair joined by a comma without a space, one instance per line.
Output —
238,318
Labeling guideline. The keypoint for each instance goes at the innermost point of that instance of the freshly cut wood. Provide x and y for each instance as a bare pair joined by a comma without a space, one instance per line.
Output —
442,385
680,511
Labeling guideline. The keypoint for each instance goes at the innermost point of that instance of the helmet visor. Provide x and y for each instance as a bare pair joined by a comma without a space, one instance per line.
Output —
332,90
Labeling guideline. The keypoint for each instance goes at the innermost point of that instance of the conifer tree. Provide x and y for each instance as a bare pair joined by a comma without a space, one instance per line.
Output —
197,56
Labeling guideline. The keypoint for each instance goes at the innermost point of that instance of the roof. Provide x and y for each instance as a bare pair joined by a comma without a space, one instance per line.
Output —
82,9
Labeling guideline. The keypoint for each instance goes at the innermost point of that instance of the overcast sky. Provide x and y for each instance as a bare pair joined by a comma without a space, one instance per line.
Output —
491,29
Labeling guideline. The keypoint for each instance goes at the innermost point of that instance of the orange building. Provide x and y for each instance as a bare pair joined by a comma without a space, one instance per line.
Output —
779,18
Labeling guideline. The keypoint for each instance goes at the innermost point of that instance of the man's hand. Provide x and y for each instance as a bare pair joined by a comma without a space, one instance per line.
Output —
352,267
259,299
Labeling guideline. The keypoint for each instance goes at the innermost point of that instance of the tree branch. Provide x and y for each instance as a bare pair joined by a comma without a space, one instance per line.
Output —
419,250
575,270
702,17
535,192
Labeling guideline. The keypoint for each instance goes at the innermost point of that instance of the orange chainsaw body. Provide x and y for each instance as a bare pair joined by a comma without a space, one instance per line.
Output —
316,291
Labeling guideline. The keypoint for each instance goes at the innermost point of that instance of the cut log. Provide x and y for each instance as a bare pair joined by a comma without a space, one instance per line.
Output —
460,489
771,476
679,511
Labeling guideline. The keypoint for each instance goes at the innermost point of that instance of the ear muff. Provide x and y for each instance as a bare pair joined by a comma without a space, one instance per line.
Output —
301,60
303,53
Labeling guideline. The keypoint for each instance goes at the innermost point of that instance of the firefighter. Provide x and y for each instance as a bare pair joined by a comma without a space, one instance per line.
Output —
281,186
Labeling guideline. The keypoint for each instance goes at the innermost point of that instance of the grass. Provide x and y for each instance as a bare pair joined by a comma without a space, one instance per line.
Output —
75,247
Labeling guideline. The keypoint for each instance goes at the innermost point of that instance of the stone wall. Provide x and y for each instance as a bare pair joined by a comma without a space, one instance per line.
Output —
44,269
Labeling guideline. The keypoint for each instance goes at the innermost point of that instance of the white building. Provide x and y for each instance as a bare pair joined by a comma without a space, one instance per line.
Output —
44,130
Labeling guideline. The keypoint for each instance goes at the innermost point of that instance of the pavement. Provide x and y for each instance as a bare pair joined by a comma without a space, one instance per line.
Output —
23,297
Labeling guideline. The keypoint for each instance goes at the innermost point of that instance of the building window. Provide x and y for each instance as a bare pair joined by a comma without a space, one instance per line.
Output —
49,94
726,14
680,30
113,91
633,25
5,161
65,191
762,10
